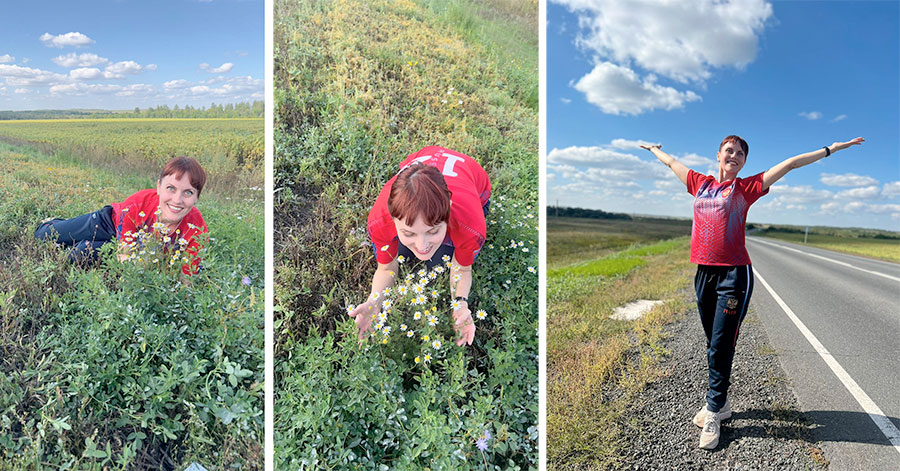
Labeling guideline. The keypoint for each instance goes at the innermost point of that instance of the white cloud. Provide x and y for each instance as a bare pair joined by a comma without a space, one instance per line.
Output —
679,40
176,84
857,207
87,73
565,100
224,68
5,58
812,115
891,189
81,89
63,40
618,90
22,90
119,69
18,76
867,192
79,60
200,89
629,145
847,180
839,118
799,194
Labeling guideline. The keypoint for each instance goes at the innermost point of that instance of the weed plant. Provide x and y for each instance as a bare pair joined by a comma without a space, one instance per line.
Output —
359,85
125,365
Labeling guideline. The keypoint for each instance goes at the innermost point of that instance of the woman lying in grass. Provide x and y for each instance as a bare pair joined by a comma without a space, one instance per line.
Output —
433,209
724,280
167,212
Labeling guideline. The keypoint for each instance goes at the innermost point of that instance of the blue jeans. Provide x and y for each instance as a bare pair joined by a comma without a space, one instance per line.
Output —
85,234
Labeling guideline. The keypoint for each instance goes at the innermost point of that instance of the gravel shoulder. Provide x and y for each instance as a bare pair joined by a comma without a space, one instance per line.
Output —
766,432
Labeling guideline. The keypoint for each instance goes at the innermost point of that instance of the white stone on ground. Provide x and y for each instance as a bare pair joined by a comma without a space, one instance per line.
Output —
633,310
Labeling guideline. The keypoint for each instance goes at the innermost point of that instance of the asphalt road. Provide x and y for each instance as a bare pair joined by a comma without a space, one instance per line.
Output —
854,311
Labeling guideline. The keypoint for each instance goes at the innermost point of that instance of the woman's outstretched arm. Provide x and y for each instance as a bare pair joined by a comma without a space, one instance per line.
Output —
775,173
362,314
680,170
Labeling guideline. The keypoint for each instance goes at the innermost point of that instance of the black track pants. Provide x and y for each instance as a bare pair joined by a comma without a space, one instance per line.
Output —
723,294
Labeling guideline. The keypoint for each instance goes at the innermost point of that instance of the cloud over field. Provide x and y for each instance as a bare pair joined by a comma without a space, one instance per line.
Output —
847,179
79,60
224,68
6,58
633,43
73,39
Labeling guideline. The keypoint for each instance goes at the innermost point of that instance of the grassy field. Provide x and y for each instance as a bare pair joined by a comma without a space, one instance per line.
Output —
125,366
359,85
231,150
572,240
845,240
590,381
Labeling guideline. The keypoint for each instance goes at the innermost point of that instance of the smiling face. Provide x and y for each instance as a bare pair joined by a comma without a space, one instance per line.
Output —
176,198
423,240
731,157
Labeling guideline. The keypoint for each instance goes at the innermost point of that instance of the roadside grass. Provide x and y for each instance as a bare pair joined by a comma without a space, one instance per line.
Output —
358,86
124,366
574,240
878,248
590,381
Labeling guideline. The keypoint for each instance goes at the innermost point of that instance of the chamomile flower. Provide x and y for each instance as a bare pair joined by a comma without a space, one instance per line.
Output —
532,270
456,277
387,291
401,258
386,330
402,290
141,214
420,299
385,248
439,269
427,358
432,321
524,249
426,338
455,305
418,289
421,273
410,333
436,344
417,315
481,314
434,293
418,360
403,327
445,258
350,308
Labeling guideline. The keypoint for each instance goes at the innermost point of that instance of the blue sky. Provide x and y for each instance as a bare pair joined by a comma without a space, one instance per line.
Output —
789,77
123,54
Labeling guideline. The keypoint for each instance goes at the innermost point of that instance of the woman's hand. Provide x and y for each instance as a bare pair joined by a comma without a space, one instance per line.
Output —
363,315
843,145
463,324
651,147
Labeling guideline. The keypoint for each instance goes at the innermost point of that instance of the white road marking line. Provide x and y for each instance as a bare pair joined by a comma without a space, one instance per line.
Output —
887,427
827,259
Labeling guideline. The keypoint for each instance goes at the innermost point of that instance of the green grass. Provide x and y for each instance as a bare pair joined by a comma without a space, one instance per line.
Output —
121,366
359,85
848,242
574,240
590,382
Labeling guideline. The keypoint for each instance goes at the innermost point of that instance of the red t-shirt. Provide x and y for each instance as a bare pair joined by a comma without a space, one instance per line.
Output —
139,210
470,190
720,213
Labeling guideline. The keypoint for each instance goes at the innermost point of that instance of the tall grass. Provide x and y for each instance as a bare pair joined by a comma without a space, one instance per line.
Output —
121,366
359,85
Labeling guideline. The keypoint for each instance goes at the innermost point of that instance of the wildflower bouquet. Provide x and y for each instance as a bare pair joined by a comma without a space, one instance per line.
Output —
415,324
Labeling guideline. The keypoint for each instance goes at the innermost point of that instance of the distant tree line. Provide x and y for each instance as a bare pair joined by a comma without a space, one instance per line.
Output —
563,211
824,230
255,109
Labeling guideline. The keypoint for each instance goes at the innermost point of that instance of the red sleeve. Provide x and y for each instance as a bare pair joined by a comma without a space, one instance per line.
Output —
695,181
193,228
752,188
468,250
133,214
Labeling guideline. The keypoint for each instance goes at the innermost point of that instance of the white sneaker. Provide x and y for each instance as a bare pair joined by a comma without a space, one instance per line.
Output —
709,436
724,413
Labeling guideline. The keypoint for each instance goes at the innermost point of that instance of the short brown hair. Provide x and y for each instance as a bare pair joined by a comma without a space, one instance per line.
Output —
736,140
179,165
420,189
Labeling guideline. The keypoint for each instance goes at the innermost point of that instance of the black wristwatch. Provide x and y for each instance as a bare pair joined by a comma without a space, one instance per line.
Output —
461,298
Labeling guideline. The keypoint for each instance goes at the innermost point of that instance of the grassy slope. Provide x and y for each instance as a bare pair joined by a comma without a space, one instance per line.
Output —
359,85
61,360
587,351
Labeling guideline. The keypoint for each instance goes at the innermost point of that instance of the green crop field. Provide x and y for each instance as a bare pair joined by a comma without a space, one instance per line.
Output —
230,149
124,366
590,379
358,86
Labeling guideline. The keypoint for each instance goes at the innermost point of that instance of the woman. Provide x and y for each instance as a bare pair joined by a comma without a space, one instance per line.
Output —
433,208
168,212
724,280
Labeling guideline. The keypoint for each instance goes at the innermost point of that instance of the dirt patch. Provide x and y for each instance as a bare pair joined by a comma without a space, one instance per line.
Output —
633,310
